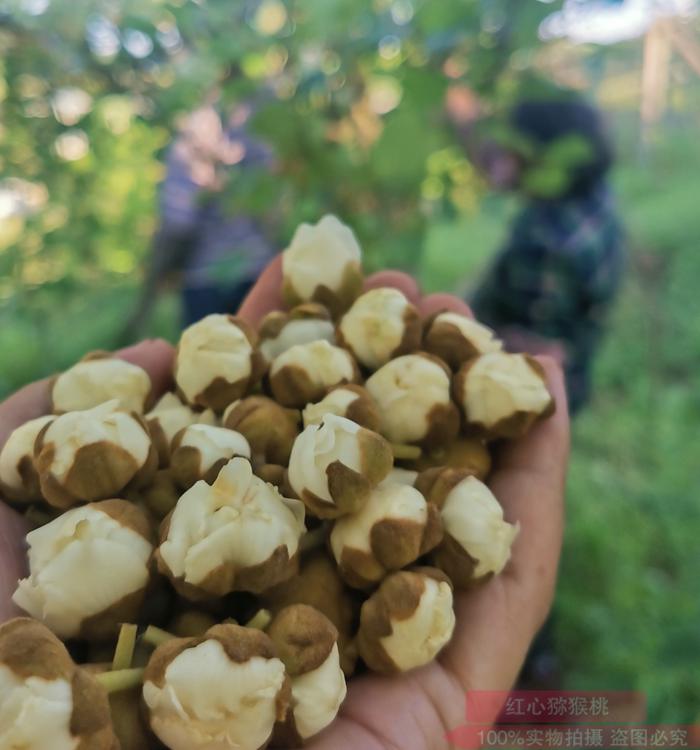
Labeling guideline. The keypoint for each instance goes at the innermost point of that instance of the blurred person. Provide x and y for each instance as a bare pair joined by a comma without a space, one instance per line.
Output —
217,253
551,287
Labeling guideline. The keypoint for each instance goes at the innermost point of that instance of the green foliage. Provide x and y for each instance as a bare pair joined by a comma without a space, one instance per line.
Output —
629,591
349,92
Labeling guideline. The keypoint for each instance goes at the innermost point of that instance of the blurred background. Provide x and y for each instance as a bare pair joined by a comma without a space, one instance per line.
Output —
360,107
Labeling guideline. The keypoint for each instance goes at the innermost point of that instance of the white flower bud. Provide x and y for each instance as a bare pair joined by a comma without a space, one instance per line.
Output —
407,621
280,331
350,401
323,263
18,478
238,534
217,361
456,338
168,417
413,396
88,569
380,325
477,539
464,453
304,372
269,428
320,586
199,451
334,466
222,691
92,454
307,642
336,402
317,695
393,529
502,394
46,701
42,712
93,381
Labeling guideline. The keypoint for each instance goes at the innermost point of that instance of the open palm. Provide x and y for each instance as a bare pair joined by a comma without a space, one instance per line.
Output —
495,622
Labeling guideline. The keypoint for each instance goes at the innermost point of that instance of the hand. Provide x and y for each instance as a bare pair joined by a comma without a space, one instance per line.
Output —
156,357
520,340
495,623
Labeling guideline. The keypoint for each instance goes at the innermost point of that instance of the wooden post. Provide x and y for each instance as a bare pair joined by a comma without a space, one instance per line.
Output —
655,77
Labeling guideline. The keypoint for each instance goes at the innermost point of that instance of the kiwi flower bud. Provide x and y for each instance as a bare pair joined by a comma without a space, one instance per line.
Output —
335,465
380,325
18,477
350,401
46,701
413,395
393,529
304,372
319,585
407,621
307,642
269,428
323,263
224,690
467,453
168,417
303,324
88,569
199,451
239,534
97,378
477,540
160,495
456,338
94,454
217,361
503,395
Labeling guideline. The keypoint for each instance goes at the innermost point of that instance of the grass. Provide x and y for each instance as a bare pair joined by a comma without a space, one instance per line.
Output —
628,604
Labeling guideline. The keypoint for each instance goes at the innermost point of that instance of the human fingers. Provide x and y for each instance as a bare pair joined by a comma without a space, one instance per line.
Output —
435,303
397,280
154,355
13,529
265,296
529,481
504,614
27,403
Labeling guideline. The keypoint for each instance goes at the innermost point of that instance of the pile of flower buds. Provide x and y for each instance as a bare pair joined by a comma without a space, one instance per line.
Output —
207,571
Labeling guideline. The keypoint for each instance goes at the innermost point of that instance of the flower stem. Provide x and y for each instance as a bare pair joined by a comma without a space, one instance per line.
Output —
155,636
406,452
260,620
121,679
124,650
